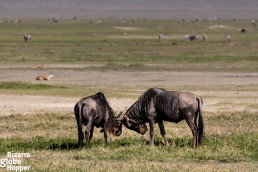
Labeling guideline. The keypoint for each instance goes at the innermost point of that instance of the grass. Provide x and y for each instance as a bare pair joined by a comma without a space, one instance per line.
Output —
26,86
51,138
112,91
82,42
48,137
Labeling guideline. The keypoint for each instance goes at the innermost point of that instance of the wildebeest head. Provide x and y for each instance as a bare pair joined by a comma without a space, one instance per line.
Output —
132,124
114,126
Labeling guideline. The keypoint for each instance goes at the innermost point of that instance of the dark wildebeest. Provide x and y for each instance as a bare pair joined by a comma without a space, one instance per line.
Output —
27,37
55,20
243,30
95,111
158,105
193,37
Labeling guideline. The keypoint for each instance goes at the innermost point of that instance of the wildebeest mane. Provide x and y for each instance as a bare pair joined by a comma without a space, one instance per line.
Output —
142,104
105,102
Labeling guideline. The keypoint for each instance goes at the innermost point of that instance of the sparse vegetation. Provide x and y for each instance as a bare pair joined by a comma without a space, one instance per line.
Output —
51,138
81,42
43,136
25,86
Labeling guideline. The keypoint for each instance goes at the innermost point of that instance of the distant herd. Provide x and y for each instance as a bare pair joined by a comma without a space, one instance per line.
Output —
154,106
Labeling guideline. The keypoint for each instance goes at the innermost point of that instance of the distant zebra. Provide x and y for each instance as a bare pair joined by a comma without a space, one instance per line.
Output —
205,38
27,37
227,38
254,23
161,37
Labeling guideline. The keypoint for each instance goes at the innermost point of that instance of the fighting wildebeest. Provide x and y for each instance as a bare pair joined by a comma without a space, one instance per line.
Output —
27,37
95,111
158,105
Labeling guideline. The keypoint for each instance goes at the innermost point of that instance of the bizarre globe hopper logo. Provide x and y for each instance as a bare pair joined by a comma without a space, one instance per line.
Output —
13,161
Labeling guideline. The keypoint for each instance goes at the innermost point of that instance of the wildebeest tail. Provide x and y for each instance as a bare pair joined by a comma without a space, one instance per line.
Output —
200,121
78,115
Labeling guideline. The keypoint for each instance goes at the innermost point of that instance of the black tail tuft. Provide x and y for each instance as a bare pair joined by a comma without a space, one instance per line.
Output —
200,122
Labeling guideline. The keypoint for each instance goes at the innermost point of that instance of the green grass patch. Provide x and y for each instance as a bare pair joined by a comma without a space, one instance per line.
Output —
82,42
233,148
49,136
26,86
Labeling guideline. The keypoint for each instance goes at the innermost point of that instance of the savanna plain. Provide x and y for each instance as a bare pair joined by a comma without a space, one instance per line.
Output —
122,59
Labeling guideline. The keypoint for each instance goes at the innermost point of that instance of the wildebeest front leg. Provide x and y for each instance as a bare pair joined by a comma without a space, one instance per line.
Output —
151,123
105,133
163,132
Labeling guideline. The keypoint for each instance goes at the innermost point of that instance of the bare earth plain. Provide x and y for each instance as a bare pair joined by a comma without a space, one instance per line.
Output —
221,91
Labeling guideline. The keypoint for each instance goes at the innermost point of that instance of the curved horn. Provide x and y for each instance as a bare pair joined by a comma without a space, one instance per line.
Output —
120,116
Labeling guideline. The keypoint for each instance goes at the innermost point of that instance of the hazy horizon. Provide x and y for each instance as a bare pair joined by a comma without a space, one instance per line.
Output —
156,9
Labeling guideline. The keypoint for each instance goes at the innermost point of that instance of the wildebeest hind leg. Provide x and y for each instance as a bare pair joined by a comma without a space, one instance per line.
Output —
87,132
80,137
194,131
163,132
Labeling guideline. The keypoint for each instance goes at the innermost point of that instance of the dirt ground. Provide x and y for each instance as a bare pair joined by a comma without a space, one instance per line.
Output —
225,100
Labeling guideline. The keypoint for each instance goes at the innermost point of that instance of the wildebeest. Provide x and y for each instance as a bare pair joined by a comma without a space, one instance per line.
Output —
191,37
158,105
55,20
243,30
27,37
95,111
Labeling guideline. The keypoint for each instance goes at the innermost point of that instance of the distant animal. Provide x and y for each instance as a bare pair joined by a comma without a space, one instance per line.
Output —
191,37
243,30
174,43
205,38
27,37
254,23
43,77
41,66
161,37
95,111
157,105
55,20
227,38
